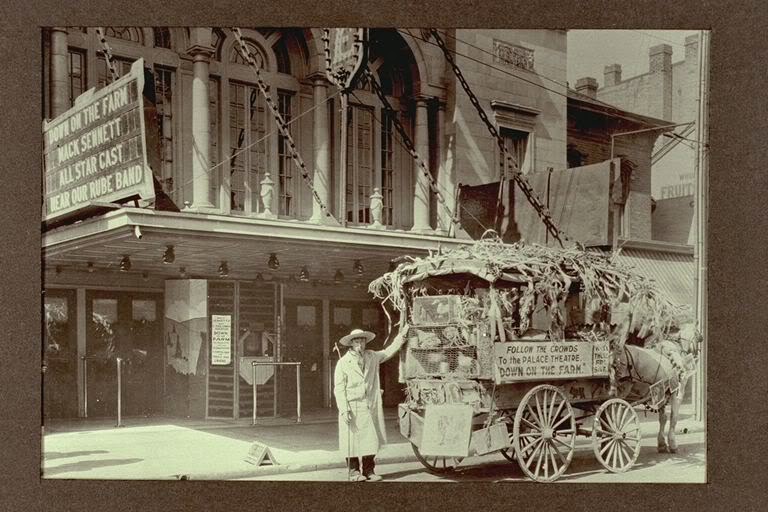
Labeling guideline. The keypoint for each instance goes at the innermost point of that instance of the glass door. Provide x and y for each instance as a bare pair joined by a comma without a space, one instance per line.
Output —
125,325
59,354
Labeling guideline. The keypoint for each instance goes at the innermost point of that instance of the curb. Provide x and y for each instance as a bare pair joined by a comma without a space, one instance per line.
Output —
689,427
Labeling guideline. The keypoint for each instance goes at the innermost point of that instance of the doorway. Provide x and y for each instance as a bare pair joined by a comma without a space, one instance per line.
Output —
303,342
125,325
59,354
348,315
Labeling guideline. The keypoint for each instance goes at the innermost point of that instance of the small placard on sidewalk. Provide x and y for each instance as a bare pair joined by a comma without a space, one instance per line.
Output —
260,455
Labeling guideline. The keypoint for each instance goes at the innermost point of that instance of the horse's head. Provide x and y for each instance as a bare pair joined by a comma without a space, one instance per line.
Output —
688,339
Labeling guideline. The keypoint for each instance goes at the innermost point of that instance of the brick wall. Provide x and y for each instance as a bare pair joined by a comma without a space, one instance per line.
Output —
670,95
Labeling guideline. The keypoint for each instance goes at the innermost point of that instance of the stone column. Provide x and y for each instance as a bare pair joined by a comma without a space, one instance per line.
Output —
59,71
444,182
201,52
421,188
322,151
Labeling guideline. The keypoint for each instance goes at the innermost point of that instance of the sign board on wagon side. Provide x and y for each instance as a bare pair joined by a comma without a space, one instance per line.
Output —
447,430
96,152
543,360
346,52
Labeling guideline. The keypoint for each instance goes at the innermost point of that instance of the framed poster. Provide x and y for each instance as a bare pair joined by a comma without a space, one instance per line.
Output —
221,340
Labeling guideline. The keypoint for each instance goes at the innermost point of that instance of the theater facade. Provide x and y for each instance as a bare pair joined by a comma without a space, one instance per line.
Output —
224,255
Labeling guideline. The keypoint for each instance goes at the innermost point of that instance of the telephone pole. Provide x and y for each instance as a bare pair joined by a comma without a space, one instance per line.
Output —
701,201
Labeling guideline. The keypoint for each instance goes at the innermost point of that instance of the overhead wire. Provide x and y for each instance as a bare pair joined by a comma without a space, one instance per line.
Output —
262,139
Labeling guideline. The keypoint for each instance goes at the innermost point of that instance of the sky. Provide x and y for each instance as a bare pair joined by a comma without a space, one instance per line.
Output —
589,51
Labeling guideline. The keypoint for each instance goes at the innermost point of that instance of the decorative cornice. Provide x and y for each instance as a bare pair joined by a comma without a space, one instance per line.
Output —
514,107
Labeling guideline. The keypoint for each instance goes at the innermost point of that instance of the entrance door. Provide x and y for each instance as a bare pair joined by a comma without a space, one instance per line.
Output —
127,325
346,316
302,341
60,354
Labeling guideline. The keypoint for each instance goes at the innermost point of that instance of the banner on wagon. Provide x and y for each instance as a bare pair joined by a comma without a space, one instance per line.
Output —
541,360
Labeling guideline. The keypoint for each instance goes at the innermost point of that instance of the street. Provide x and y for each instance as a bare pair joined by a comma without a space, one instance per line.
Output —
686,466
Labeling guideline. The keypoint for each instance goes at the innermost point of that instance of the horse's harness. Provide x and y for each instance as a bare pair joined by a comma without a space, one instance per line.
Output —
631,367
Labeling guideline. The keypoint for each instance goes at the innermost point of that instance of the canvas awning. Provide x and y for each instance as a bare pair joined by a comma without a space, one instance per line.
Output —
672,272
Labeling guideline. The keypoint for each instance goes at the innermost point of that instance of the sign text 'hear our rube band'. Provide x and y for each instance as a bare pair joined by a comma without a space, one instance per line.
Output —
96,151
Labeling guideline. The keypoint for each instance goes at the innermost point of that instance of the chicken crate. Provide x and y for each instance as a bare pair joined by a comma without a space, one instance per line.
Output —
445,350
435,310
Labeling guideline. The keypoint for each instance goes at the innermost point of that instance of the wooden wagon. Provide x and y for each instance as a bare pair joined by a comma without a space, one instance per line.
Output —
510,349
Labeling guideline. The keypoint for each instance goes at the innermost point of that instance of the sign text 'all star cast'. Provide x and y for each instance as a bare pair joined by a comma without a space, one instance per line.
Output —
96,151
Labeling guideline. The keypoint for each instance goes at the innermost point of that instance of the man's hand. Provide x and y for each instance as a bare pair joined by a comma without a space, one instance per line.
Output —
347,417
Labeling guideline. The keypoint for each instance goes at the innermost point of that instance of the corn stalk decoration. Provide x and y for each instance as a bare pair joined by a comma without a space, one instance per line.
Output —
617,301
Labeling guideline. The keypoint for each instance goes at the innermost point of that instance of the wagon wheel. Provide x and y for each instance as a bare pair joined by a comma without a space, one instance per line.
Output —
545,433
616,435
437,463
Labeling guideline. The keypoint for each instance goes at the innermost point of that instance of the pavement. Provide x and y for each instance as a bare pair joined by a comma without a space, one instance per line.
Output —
160,448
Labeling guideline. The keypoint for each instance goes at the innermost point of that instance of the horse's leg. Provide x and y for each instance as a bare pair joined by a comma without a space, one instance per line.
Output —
674,409
661,442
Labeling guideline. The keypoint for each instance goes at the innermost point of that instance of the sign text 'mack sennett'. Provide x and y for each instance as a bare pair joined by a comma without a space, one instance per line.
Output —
96,151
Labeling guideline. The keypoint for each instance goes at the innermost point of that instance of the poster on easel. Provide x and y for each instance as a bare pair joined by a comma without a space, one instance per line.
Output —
221,340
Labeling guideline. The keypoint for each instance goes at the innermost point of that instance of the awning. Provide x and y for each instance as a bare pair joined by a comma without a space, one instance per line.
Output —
673,272
202,242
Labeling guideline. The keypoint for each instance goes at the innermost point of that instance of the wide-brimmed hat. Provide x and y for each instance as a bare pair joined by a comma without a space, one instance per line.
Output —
356,334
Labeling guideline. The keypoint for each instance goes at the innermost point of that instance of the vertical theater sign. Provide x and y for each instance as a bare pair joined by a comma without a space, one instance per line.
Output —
96,152
345,53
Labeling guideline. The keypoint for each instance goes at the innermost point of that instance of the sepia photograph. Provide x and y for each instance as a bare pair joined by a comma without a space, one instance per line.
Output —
374,254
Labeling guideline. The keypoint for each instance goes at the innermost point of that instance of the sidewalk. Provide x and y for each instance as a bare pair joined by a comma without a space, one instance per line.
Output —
170,448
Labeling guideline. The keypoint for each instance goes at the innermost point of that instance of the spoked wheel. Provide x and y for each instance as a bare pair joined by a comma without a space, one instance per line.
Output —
616,435
437,463
545,433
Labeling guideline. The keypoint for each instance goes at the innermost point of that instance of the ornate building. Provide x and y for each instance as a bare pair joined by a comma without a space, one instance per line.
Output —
238,264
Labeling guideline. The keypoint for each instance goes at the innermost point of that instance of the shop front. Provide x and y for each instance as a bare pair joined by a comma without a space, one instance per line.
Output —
236,305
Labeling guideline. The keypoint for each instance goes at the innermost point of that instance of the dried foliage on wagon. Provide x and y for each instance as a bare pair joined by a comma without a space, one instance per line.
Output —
503,284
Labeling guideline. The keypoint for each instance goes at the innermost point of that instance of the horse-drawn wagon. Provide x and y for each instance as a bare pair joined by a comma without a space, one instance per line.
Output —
518,349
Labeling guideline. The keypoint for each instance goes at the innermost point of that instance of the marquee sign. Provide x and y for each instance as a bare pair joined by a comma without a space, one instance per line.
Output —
345,53
96,152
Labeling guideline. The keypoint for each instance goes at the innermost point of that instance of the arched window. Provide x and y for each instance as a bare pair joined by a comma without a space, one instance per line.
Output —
132,34
376,155
283,59
162,37
235,57
217,38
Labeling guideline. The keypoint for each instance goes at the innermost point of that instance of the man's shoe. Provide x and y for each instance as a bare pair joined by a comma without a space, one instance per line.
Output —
355,476
373,477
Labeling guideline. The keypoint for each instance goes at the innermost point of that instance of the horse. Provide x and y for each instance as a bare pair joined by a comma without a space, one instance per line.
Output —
670,362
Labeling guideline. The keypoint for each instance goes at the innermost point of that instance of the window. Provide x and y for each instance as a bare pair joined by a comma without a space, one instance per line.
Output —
285,161
214,157
283,59
237,58
248,146
132,34
76,75
387,167
360,172
122,65
164,86
516,143
162,38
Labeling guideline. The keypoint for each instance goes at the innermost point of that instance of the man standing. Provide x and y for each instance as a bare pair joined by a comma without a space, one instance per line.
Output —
358,398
